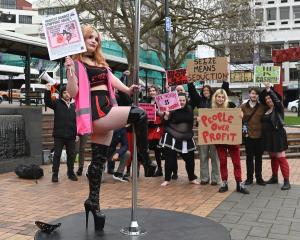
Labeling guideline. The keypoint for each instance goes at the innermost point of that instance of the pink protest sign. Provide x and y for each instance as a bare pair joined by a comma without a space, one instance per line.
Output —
167,101
150,109
63,35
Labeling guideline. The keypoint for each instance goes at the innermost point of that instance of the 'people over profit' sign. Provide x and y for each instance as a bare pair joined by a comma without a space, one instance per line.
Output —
220,126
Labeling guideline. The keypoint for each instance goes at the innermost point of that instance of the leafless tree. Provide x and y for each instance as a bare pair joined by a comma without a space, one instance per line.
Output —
217,23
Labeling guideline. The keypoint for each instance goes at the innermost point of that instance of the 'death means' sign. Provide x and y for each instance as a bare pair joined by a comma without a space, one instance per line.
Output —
220,126
204,69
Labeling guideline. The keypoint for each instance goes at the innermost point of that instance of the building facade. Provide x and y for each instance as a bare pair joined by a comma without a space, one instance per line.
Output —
279,22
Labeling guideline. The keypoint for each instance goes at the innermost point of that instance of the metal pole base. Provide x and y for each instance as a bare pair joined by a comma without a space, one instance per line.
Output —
133,230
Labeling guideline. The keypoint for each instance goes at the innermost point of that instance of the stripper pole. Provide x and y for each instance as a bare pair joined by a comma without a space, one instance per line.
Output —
134,229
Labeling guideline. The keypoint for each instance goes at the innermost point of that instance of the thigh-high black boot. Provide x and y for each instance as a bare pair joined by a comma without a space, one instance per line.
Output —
138,118
99,156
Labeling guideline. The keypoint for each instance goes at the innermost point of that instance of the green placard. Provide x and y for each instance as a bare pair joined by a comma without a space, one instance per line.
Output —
267,74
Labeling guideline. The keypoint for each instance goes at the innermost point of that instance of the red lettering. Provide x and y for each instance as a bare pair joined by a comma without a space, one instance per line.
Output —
230,118
212,137
214,126
205,135
204,119
233,135
218,136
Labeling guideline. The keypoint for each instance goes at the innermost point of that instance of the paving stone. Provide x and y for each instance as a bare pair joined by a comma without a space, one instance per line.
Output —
259,232
286,212
275,203
236,226
255,224
237,234
250,217
289,202
276,221
295,226
280,229
230,219
256,238
295,233
259,203
271,215
297,213
226,205
282,237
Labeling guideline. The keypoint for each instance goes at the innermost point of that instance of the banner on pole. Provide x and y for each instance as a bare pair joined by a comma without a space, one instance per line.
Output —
269,74
220,126
63,35
150,110
205,69
176,77
167,101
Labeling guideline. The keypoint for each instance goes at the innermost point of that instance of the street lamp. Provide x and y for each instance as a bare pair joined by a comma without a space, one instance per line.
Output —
298,73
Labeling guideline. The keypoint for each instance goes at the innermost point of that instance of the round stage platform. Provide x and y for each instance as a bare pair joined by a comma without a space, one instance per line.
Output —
159,224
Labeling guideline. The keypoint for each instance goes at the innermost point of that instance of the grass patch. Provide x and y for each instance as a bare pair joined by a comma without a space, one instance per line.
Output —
291,120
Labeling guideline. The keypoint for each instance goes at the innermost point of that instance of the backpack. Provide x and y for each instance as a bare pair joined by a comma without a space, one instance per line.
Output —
29,171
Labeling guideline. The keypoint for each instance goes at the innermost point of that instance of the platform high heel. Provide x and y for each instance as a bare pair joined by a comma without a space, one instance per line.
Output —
95,169
99,217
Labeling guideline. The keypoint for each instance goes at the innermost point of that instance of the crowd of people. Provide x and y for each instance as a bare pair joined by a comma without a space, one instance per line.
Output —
96,114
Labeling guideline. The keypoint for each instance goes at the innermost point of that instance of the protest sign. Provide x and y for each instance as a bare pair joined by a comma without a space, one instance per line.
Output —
241,76
63,35
269,74
167,101
220,126
150,109
176,77
204,69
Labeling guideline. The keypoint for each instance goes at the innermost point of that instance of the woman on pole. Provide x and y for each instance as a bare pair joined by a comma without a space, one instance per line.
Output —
91,83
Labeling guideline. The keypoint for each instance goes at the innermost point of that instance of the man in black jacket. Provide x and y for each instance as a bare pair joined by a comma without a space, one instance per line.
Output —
64,131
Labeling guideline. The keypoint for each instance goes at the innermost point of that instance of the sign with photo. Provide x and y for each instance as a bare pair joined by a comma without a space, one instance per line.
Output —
167,101
176,77
150,109
269,74
204,69
220,126
63,35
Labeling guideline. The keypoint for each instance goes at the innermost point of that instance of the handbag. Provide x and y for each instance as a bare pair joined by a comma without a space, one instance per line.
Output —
245,133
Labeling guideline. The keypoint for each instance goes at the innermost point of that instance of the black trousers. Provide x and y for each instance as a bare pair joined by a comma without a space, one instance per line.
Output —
254,149
171,163
59,143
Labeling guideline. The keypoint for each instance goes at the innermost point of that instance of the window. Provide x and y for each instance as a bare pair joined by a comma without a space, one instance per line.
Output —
8,4
259,16
293,74
271,14
284,13
25,19
296,10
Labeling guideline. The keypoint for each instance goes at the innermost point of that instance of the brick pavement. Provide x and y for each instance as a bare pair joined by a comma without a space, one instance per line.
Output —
24,201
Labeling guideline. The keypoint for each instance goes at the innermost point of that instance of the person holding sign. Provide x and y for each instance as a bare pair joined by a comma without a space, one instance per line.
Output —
206,151
91,82
220,100
274,136
155,131
178,138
